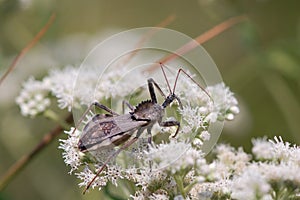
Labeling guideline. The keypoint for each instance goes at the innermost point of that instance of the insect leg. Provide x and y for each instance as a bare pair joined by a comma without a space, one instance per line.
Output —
149,135
171,123
149,143
151,84
127,104
113,155
101,106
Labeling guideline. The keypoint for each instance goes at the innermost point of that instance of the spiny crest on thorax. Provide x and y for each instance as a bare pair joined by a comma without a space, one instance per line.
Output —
142,108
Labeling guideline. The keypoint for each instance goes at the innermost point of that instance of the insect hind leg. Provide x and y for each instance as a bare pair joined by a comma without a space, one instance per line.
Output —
126,145
94,104
103,107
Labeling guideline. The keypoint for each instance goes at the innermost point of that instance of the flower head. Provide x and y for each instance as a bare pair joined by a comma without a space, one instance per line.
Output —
250,185
174,156
33,99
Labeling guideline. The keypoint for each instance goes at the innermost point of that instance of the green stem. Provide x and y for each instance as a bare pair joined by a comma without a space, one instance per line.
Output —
50,114
25,159
111,195
188,188
179,183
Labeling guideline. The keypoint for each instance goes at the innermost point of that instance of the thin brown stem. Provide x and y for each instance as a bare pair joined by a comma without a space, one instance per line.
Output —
25,159
218,29
36,38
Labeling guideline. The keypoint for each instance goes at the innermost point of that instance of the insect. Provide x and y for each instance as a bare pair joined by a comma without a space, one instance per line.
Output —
113,129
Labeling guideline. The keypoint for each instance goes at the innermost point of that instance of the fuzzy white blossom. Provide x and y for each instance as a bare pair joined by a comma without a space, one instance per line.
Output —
64,86
71,154
283,172
225,104
284,151
33,99
250,185
205,135
60,83
87,175
214,102
174,156
193,117
262,149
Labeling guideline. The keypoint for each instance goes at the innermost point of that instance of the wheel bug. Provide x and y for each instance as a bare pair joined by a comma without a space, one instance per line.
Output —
113,129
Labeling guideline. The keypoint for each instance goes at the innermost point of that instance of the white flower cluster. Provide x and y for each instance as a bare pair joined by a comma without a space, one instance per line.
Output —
217,102
33,99
174,156
59,83
71,154
235,175
201,108
176,169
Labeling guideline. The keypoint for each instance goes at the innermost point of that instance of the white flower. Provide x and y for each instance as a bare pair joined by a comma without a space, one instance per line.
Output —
205,135
159,196
229,160
225,104
147,178
71,153
250,185
283,151
226,154
61,85
281,172
193,118
113,84
206,190
262,149
174,156
33,99
87,176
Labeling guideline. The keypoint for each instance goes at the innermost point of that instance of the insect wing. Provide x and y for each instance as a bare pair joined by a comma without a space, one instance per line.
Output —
107,132
95,132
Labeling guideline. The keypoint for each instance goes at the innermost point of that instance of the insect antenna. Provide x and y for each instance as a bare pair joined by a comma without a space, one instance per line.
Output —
164,73
177,76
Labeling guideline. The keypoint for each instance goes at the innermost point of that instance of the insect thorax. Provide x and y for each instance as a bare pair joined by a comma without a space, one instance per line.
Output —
148,110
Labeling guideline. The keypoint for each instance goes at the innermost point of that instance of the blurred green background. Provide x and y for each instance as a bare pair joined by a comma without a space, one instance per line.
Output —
259,60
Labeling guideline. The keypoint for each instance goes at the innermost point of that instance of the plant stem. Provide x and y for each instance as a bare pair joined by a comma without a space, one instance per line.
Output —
25,159
188,188
179,183
36,38
55,117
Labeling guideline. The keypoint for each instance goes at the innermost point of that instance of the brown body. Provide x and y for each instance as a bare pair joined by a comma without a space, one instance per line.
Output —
106,131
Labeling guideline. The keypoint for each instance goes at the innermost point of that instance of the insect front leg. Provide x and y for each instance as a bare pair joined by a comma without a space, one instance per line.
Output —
151,84
171,123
